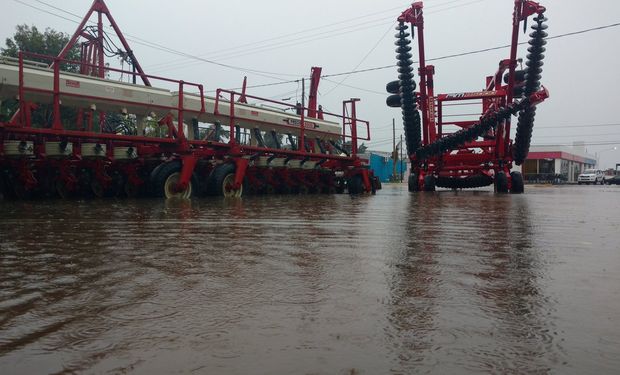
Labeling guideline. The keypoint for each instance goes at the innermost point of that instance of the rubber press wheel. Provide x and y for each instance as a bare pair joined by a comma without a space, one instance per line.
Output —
355,185
518,186
164,179
501,183
429,183
220,181
413,182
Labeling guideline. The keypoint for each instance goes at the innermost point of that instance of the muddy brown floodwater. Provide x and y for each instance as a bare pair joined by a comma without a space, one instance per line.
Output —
443,282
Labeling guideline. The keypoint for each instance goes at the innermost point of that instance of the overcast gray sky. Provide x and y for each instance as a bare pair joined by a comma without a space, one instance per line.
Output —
286,37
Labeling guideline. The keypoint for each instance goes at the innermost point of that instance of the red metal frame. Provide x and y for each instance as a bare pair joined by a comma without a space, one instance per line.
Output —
195,156
494,152
94,57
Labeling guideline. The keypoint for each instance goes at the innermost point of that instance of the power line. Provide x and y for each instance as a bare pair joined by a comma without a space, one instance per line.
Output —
45,11
577,126
286,43
306,39
575,135
476,51
462,53
291,34
602,143
269,74
160,47
300,40
363,59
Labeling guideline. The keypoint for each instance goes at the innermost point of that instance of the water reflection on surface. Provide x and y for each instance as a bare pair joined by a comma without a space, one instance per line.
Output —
463,282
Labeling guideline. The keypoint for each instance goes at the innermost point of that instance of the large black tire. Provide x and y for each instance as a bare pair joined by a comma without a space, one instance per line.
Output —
339,185
470,182
355,185
518,187
219,178
413,183
165,176
501,183
96,188
375,184
429,183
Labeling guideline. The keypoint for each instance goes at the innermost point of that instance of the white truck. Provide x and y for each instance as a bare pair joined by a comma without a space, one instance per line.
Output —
591,176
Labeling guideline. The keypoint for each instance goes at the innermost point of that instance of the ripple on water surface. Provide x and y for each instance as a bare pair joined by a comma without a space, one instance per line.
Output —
446,282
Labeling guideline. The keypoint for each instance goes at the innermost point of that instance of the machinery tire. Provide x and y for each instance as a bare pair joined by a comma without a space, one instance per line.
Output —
165,176
339,185
501,183
20,192
413,182
284,189
375,184
61,189
219,178
518,186
393,87
97,189
116,186
464,183
131,190
355,185
429,183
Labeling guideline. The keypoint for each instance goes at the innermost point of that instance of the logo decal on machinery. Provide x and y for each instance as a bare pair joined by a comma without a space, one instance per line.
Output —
464,95
71,83
308,124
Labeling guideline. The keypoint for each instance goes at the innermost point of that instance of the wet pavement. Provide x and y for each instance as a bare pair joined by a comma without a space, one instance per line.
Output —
443,282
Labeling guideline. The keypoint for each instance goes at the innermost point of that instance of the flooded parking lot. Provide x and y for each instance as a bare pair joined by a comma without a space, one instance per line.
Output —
445,282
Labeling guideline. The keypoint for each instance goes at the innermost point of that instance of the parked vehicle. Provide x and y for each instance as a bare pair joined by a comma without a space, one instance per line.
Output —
613,180
591,176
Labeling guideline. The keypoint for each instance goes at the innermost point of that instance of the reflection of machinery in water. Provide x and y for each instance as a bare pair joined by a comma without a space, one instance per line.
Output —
414,284
82,131
510,286
480,152
469,287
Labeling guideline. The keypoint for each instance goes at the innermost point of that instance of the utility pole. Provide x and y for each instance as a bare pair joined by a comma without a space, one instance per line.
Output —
401,158
394,154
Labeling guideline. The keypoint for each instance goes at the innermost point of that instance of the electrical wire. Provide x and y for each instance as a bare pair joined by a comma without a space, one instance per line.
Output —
164,48
282,81
306,39
300,40
577,126
576,135
363,59
475,51
602,143
462,53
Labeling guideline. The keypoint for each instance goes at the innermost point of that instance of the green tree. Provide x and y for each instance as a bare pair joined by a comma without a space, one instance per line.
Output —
50,43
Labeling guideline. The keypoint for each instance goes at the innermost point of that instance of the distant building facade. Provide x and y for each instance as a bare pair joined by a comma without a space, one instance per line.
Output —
382,165
556,163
